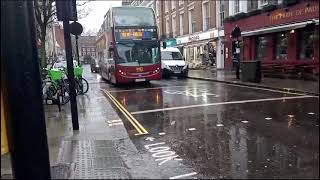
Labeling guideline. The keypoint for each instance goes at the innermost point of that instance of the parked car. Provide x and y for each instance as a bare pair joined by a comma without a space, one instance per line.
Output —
94,66
173,63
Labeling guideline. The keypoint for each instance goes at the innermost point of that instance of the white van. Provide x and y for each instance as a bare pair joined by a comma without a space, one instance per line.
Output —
173,63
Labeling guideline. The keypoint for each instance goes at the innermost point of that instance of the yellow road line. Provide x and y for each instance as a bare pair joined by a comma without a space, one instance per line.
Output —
129,114
139,131
133,121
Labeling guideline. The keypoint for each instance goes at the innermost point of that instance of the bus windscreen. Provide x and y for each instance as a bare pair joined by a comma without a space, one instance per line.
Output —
133,16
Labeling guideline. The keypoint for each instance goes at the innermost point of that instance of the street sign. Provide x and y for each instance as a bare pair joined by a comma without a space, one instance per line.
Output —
76,28
171,42
66,10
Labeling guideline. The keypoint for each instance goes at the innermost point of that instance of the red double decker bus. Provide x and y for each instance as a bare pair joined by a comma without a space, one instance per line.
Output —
128,47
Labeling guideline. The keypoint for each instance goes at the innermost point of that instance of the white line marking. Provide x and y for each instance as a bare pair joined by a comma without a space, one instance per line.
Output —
219,125
192,129
162,133
114,121
245,122
116,124
183,175
220,103
268,118
311,113
290,115
160,87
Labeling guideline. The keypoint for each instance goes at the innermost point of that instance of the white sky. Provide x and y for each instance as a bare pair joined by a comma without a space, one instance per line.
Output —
95,18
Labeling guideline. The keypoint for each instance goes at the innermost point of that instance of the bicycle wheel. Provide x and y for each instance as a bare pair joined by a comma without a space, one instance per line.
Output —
64,95
85,85
82,86
49,90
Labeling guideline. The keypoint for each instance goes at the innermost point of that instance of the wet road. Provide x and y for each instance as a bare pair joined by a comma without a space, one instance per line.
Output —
200,129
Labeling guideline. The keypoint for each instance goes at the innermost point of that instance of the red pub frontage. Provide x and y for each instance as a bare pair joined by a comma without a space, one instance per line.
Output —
285,36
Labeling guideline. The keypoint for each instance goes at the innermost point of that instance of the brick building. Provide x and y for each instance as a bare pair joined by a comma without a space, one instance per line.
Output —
86,45
278,32
196,26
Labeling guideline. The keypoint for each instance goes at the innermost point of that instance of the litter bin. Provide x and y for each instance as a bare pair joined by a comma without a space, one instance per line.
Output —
251,71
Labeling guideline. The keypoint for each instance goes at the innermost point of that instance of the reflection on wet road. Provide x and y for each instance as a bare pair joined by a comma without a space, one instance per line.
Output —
223,131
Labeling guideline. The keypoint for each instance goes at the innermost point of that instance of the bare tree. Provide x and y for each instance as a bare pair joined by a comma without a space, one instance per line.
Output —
45,14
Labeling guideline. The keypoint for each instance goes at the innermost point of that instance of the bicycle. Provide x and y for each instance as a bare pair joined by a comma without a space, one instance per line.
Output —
55,86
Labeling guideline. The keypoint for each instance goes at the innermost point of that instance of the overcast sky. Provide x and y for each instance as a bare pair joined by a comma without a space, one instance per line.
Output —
98,9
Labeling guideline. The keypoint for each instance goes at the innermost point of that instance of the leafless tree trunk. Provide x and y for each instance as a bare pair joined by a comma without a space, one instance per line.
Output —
45,14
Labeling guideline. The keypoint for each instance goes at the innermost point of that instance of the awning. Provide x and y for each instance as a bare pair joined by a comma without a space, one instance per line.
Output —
279,28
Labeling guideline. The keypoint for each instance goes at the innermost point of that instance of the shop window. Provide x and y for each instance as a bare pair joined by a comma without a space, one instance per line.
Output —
198,52
191,54
261,47
306,45
281,45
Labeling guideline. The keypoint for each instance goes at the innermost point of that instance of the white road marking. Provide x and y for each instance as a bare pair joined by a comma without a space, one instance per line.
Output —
219,125
116,124
311,113
290,115
183,175
162,133
149,139
114,121
173,122
192,129
268,118
160,87
220,103
245,122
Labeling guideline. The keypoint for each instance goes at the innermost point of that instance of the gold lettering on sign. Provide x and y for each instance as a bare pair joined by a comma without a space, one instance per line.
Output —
298,12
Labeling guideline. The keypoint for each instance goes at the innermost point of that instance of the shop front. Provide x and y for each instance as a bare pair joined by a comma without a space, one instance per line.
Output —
196,45
285,36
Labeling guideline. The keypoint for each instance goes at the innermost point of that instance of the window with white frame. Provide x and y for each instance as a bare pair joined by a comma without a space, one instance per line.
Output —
174,26
180,2
205,15
166,5
221,12
157,8
173,4
167,26
236,6
181,24
262,3
191,21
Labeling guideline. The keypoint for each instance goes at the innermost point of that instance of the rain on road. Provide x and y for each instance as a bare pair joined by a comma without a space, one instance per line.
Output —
201,129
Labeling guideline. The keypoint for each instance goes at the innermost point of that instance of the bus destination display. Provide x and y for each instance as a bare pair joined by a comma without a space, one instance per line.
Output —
136,33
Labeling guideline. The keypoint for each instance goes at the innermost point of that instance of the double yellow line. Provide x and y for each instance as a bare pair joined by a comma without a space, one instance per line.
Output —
141,130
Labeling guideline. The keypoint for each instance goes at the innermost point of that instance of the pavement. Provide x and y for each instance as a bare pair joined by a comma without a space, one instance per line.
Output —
228,76
185,128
